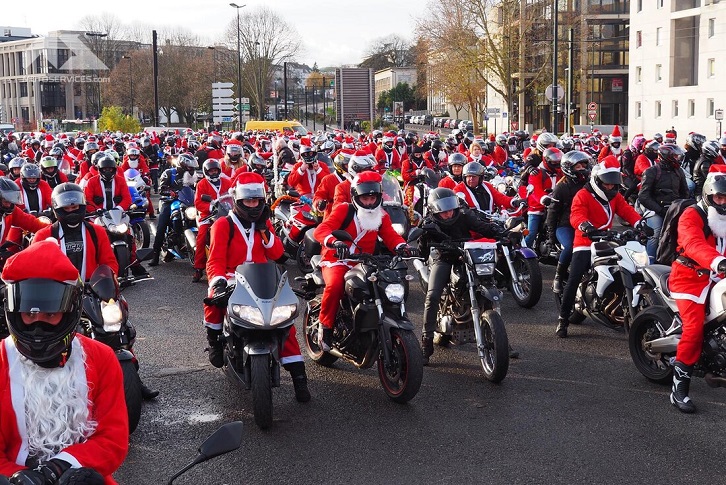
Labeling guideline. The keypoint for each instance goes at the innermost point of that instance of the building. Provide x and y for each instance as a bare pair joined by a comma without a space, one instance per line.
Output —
354,91
677,66
387,79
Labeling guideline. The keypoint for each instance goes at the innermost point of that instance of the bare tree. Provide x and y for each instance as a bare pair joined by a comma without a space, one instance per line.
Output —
389,51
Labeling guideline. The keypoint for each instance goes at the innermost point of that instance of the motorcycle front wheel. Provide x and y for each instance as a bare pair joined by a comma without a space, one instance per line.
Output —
647,326
311,323
261,385
526,284
401,378
495,361
142,236
132,393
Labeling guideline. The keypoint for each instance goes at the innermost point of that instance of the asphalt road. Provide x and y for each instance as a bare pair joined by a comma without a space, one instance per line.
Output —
569,411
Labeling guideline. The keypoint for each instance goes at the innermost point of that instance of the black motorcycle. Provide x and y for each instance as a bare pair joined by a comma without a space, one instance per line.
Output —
371,325
180,239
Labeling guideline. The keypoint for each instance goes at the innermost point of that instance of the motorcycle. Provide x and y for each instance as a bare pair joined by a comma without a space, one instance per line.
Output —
402,216
293,217
656,331
469,310
261,309
611,291
116,223
180,239
105,318
138,189
417,192
371,325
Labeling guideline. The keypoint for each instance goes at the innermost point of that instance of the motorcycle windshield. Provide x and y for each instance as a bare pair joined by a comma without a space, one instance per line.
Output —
392,193
262,277
186,196
103,284
225,205
431,178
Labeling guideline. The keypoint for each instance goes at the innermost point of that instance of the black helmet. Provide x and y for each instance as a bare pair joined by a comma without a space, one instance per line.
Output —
650,150
251,186
457,159
188,162
257,163
552,157
96,157
10,193
340,162
66,195
671,155
441,200
473,169
30,176
367,183
694,142
106,167
436,146
710,149
570,159
715,184
212,169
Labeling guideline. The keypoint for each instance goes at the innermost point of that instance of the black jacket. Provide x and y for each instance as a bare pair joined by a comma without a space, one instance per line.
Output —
558,213
462,228
700,171
661,186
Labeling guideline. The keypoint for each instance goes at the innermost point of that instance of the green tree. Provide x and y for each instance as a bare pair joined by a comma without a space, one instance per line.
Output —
113,119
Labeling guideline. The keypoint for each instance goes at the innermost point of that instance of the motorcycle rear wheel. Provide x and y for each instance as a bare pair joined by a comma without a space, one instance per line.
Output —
311,324
132,393
528,288
495,361
142,236
303,263
261,385
654,367
402,379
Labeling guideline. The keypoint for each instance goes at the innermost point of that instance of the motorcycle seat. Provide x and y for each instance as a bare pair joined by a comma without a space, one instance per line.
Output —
312,246
604,248
603,260
658,274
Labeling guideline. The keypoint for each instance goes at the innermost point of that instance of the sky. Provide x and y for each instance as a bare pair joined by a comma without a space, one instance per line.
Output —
331,32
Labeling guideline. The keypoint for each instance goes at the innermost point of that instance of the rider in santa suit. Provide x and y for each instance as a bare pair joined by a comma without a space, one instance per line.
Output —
699,264
359,163
36,191
306,175
369,222
614,147
252,240
325,193
413,165
386,156
63,415
480,194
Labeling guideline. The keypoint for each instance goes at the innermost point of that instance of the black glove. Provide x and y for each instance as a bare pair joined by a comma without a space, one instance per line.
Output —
341,250
587,228
264,217
721,268
117,199
407,251
322,204
644,228
519,202
46,473
219,288
82,476
98,200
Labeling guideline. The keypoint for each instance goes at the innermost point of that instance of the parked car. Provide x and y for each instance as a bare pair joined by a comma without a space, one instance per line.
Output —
407,118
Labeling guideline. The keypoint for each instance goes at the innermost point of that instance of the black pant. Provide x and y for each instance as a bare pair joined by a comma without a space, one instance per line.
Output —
578,267
439,273
154,174
161,225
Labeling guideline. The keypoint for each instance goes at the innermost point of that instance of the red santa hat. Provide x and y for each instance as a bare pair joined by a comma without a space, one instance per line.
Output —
363,152
234,142
305,142
717,168
249,183
42,260
608,164
615,136
367,177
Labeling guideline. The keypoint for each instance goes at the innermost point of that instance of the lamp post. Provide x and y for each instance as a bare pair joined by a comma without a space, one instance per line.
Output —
131,87
155,53
97,35
324,107
239,67
260,86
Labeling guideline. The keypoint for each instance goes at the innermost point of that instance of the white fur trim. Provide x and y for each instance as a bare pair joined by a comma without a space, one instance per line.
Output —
17,397
215,279
68,458
291,358
715,262
300,170
271,242
213,326
327,238
696,299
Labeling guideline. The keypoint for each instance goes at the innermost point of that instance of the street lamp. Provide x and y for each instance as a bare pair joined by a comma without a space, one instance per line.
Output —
239,68
131,87
260,86
97,35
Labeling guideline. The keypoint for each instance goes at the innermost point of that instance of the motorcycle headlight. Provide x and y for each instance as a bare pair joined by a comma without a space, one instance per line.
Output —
120,229
395,292
400,230
112,316
484,269
191,213
282,313
640,258
249,314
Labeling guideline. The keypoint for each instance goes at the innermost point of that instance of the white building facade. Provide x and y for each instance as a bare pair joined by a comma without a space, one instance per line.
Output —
677,66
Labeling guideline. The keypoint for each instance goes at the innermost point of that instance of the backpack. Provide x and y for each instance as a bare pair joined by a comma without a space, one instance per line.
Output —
668,239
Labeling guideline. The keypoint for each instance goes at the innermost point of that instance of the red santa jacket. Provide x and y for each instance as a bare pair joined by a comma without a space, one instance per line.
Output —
306,181
342,193
365,241
642,163
606,151
43,190
13,225
326,191
96,196
94,255
205,187
441,163
243,246
705,252
106,449
497,200
499,155
542,183
586,208
83,168
388,161
448,182
411,169
142,166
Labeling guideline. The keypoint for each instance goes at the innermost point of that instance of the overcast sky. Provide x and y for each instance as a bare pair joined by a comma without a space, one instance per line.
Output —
332,32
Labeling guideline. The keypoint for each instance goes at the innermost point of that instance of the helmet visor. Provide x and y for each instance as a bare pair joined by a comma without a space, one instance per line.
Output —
40,295
445,204
12,196
249,191
67,199
613,178
366,188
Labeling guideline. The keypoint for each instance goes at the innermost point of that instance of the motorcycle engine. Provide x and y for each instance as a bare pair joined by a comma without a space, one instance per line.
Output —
714,353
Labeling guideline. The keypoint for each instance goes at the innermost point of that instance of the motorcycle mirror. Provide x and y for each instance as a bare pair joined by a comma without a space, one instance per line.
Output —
207,198
293,193
225,439
342,235
546,201
414,234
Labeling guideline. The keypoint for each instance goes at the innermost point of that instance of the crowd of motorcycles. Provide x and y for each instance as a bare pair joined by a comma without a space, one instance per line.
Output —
621,291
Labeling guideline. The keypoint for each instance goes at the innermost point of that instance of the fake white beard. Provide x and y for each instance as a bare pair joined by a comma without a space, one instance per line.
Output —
717,223
370,219
56,405
133,163
615,151
189,179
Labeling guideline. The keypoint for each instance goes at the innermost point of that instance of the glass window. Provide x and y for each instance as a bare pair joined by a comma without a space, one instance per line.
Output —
675,108
638,112
710,107
658,72
23,90
679,5
711,27
658,32
638,74
711,68
659,3
657,109
691,108
685,51
639,6
639,38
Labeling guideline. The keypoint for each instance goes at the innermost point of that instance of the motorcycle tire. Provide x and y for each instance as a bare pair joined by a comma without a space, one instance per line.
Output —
529,289
311,323
401,379
142,235
303,263
123,256
261,384
495,361
132,393
654,367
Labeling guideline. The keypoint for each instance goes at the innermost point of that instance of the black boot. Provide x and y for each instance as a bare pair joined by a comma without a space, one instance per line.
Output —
155,258
216,347
197,275
148,394
299,380
560,278
139,271
427,348
681,383
562,324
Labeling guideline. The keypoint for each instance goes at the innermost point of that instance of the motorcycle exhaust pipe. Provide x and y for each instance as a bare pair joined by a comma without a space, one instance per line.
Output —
714,381
666,345
191,238
422,269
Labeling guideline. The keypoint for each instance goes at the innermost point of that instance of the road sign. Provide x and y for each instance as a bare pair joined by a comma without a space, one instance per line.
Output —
222,85
494,112
222,93
504,115
222,102
550,92
592,115
718,114
592,106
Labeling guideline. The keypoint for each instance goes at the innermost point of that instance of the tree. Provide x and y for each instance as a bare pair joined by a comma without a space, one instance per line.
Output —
388,51
113,119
